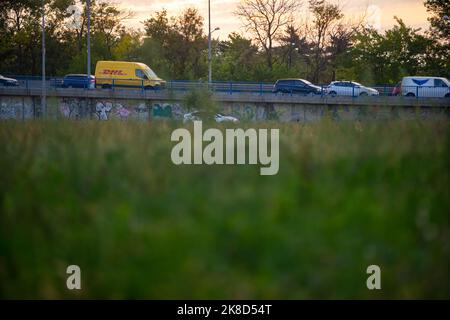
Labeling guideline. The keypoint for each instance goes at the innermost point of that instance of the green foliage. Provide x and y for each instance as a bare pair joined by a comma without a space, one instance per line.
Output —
179,43
386,58
106,196
324,48
200,98
439,9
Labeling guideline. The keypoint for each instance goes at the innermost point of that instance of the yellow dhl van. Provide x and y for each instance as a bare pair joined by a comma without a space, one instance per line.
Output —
126,74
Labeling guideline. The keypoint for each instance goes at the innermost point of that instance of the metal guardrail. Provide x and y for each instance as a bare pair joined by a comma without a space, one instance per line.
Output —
243,97
229,87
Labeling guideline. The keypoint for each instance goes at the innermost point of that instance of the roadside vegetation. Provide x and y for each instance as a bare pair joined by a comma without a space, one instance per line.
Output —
106,196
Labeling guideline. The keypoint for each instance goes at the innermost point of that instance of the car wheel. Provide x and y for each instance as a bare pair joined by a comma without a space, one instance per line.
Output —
410,94
333,94
447,95
363,94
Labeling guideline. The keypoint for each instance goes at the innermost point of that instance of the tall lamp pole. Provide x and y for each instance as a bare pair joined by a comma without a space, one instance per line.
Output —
210,56
88,9
209,42
43,95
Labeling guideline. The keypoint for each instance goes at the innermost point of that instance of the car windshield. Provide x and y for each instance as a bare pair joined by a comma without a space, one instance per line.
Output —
306,81
357,84
149,73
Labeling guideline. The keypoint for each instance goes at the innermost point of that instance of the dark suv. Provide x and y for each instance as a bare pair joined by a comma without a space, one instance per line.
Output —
296,86
78,81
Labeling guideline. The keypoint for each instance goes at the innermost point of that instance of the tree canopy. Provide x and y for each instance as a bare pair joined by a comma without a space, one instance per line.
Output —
324,47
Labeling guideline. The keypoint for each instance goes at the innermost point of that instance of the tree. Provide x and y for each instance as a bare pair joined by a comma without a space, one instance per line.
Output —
128,45
189,27
440,31
21,35
20,44
440,23
157,27
180,42
325,17
386,58
340,43
107,27
289,41
237,58
265,19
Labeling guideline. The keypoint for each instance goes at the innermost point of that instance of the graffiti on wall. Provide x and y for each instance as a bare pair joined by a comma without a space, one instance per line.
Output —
162,111
81,108
255,112
70,108
168,110
7,111
105,110
122,112
102,110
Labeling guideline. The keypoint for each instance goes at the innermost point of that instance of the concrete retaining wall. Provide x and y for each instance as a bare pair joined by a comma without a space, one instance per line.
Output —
104,108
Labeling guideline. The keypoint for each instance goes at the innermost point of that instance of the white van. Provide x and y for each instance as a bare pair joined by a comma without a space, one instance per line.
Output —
425,87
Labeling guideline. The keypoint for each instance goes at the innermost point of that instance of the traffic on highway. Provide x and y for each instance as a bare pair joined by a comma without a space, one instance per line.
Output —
113,75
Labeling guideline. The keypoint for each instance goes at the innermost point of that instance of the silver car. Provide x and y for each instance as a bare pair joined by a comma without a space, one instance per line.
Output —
349,88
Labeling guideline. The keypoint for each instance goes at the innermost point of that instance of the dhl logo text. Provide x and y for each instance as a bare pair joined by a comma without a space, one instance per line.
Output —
113,72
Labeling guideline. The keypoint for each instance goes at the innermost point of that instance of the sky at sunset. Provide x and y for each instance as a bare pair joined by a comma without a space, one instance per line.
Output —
379,12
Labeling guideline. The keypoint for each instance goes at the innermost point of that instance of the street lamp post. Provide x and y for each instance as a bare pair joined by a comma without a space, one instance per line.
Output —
210,56
209,43
88,9
43,95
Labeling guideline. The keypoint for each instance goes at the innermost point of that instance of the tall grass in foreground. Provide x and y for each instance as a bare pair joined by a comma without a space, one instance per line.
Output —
106,196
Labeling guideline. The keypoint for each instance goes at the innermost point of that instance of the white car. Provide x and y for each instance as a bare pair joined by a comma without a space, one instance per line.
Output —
10,82
425,87
208,116
349,88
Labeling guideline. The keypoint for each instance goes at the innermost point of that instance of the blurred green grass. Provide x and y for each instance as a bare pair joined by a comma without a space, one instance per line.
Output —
106,196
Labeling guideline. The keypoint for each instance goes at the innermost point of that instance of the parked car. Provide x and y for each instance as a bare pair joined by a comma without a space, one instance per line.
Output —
78,81
126,74
428,87
296,86
349,88
8,82
397,90
208,116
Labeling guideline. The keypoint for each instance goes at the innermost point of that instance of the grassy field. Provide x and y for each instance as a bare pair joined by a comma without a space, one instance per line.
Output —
106,196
